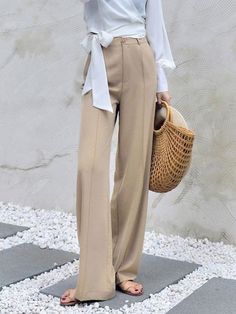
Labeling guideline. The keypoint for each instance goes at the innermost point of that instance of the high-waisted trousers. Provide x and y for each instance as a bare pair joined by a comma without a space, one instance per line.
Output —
111,232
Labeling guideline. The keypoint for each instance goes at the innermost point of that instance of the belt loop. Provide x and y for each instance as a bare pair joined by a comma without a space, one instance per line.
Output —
138,41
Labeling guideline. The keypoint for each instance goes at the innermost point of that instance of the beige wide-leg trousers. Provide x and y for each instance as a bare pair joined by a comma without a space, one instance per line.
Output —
111,232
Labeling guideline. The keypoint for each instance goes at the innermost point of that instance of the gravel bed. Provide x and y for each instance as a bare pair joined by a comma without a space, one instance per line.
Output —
57,230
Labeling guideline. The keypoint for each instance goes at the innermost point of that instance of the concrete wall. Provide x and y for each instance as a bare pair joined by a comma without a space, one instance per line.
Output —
41,65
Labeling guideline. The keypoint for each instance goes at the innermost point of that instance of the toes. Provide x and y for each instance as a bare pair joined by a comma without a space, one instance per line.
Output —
138,288
135,288
65,300
67,295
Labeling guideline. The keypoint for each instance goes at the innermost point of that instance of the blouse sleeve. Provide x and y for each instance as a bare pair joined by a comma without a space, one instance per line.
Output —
158,39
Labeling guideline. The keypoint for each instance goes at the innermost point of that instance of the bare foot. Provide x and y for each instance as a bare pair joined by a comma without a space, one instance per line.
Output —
68,297
131,287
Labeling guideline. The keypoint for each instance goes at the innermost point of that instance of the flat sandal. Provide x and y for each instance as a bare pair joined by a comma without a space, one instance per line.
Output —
118,286
70,303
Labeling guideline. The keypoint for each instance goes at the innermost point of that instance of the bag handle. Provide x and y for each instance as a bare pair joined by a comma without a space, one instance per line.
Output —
169,116
169,112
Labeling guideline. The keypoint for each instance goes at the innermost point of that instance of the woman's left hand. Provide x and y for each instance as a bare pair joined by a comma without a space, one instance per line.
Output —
164,96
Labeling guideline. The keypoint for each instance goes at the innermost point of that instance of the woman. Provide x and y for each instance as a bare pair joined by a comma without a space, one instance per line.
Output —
127,48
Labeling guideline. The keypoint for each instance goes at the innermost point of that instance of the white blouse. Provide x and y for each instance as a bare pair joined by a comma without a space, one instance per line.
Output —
106,19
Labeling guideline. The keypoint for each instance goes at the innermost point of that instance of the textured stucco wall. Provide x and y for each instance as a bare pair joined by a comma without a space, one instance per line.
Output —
40,75
40,72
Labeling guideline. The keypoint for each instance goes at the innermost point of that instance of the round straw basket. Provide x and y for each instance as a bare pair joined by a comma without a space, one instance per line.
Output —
171,153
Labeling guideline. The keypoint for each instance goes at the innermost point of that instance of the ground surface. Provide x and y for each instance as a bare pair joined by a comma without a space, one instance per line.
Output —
55,229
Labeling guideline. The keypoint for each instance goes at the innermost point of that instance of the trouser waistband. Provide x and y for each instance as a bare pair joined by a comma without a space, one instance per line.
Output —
128,40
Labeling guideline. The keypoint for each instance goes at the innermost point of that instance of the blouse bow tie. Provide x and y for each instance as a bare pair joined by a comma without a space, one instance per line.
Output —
96,78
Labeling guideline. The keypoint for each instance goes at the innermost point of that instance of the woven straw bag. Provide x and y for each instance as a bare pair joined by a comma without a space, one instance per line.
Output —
171,153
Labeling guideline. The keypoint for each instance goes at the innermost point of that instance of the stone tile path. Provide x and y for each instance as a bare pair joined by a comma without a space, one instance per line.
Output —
156,273
7,230
217,296
42,259
27,260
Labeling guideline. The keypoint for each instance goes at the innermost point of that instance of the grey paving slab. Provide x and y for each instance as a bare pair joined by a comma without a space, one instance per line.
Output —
155,274
217,296
27,260
7,230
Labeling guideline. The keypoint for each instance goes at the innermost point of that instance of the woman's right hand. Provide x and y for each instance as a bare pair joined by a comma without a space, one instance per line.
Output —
164,96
